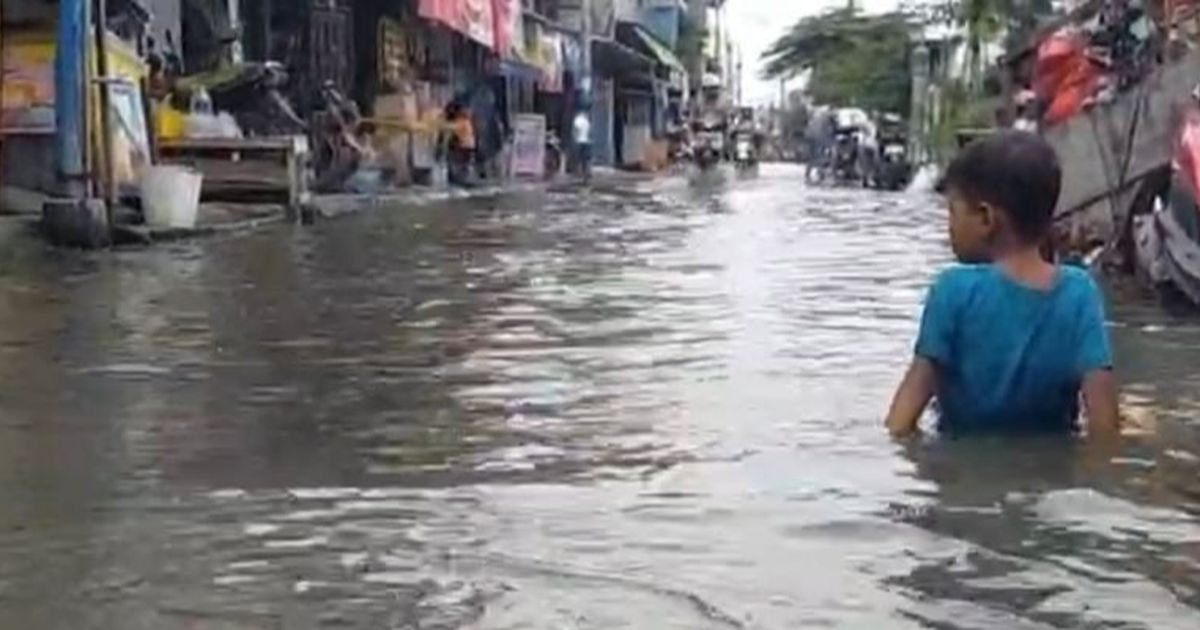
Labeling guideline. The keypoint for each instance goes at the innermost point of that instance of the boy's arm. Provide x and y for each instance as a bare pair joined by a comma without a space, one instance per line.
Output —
1094,361
934,343
913,395
1100,403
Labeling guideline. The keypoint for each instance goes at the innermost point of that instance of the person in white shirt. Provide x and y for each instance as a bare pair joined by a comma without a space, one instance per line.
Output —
582,135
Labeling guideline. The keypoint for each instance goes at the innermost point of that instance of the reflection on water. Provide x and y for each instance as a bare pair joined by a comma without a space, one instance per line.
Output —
651,405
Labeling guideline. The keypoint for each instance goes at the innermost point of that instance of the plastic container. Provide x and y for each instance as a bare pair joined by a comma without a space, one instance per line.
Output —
169,122
171,196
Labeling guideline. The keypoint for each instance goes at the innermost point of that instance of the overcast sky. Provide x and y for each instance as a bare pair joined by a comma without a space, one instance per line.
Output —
755,24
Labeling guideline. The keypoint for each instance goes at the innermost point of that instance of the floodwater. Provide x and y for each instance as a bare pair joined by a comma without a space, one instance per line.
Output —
653,405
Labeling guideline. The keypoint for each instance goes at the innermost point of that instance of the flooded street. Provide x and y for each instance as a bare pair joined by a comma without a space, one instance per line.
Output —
653,405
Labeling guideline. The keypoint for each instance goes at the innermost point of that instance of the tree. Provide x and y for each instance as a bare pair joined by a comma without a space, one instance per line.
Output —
985,21
854,59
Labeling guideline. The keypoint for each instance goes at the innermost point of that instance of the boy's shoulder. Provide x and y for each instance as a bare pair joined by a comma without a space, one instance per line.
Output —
961,275
1074,275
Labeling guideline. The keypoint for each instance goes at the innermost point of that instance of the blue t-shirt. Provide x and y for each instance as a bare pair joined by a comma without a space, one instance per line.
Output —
1010,357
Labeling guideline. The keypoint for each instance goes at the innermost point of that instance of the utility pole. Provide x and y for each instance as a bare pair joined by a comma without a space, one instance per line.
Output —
74,217
581,143
585,57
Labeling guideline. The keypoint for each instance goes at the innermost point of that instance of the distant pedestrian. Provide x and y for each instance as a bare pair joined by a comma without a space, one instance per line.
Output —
462,144
1008,342
489,132
581,130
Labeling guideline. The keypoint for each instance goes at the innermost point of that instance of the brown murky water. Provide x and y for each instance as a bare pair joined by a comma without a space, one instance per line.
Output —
650,406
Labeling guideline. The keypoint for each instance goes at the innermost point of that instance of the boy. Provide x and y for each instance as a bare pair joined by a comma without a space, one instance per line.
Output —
1008,341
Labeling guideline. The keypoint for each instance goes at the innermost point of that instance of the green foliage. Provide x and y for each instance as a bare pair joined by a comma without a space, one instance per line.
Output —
984,21
854,59
962,108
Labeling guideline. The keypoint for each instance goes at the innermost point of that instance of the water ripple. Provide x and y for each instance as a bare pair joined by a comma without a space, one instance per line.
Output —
654,404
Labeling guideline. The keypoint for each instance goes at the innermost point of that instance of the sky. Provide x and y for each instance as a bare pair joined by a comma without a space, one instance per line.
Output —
755,24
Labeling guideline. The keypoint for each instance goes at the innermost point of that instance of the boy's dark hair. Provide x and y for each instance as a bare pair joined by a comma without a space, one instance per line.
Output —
1015,171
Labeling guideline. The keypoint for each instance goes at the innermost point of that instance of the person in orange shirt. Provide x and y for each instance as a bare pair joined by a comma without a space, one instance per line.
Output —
462,143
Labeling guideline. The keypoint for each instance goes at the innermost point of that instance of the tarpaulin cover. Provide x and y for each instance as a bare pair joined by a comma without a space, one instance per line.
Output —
508,20
1187,153
473,18
1064,77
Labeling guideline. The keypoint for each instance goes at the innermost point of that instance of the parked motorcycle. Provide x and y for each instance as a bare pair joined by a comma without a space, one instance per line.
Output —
1166,240
553,159
337,151
252,92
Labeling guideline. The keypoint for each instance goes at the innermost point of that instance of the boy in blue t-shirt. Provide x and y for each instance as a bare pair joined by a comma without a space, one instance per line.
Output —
1008,341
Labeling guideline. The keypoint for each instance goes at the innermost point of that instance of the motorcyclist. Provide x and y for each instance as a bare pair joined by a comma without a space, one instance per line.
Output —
744,131
820,135
868,151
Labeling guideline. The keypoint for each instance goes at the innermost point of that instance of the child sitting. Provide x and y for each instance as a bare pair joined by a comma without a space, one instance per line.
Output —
1008,341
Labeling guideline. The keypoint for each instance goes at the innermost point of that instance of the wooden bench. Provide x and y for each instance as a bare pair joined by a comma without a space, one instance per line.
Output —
250,169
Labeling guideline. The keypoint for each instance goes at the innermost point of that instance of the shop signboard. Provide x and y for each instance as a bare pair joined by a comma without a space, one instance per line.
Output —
28,93
529,145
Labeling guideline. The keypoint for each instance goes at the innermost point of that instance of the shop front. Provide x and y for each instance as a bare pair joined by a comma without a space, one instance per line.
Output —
111,150
621,91
652,101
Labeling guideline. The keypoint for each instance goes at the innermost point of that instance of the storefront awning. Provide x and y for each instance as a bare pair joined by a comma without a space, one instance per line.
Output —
642,39
613,59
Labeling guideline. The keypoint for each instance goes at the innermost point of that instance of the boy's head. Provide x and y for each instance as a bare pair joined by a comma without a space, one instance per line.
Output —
1002,191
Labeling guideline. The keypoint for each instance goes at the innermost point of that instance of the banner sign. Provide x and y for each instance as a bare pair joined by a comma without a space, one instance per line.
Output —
28,85
529,145
473,18
551,63
509,18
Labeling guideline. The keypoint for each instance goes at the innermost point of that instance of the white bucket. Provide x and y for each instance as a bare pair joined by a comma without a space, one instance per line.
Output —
171,196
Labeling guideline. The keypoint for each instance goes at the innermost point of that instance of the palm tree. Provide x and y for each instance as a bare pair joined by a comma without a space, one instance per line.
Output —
854,58
984,20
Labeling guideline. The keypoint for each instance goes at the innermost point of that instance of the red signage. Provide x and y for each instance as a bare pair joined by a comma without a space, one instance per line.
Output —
502,12
473,18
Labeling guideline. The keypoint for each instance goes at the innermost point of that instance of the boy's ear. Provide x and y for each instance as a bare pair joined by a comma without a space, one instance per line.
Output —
988,215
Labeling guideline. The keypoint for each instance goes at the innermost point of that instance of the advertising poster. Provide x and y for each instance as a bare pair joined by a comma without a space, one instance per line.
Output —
529,145
28,84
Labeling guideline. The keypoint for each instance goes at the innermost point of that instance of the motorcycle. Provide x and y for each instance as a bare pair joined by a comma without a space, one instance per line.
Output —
553,158
710,146
1166,240
252,92
708,143
745,156
337,151
893,169
845,157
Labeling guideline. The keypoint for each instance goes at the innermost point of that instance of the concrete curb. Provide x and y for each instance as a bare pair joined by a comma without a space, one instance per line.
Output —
332,206
335,205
